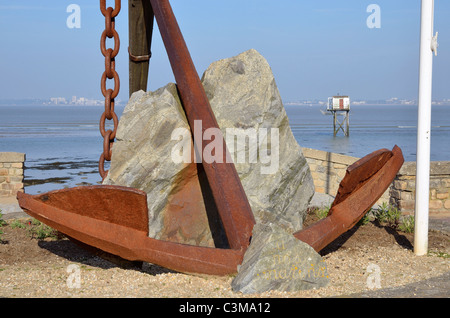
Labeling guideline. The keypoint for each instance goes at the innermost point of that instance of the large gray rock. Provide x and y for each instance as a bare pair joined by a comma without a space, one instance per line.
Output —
243,96
276,260
142,159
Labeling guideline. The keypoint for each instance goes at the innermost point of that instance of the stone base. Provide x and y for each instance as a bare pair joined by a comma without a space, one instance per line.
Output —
276,260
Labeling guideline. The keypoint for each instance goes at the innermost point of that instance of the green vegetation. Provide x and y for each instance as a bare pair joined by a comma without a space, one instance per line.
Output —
407,224
2,223
365,219
41,231
439,254
17,224
35,228
385,214
322,213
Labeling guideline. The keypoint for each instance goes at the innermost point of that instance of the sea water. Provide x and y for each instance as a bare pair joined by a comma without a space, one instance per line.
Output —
63,143
371,128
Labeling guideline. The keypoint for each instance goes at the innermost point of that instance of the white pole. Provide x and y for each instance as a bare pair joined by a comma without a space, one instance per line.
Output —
424,129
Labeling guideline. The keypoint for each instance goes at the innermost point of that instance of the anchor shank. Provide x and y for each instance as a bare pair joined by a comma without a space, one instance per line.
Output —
226,187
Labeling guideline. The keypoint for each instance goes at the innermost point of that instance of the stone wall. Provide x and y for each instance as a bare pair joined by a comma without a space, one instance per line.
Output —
328,169
404,187
11,173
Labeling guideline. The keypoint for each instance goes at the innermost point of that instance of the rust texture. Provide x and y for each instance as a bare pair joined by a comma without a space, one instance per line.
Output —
364,183
226,187
114,219
110,73
117,225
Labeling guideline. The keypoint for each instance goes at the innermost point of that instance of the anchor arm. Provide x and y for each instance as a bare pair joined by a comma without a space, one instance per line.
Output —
358,192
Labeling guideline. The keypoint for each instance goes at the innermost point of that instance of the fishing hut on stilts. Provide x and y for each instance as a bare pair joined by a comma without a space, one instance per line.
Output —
340,106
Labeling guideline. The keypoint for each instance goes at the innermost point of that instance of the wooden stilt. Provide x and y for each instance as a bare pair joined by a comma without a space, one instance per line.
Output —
334,123
344,125
140,28
347,119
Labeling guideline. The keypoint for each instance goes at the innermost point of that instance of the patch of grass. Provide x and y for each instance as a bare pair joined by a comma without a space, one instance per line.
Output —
387,214
365,219
439,254
16,224
407,224
35,229
322,213
2,223
41,231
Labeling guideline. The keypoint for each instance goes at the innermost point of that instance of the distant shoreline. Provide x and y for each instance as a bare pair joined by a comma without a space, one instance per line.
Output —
362,105
37,103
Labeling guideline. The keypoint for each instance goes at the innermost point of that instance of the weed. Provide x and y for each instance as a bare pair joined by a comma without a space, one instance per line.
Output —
323,212
439,254
17,224
365,219
407,224
391,216
2,223
387,214
41,231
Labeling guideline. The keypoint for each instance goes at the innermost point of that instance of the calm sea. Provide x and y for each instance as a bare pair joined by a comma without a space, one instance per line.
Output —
62,144
371,128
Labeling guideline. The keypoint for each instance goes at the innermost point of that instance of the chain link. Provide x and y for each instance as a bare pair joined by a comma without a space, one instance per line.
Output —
109,73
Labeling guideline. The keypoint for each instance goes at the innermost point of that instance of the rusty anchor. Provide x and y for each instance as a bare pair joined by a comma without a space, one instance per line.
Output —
114,219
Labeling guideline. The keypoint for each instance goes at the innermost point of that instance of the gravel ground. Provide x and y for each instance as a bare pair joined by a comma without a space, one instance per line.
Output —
31,268
349,273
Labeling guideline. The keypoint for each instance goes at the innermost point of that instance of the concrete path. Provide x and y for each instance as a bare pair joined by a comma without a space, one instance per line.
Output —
437,287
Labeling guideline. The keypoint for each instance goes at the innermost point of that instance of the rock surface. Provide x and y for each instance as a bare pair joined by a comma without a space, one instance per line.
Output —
244,96
142,159
276,260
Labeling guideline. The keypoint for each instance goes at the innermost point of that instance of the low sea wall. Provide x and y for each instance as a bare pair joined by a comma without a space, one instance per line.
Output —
11,173
328,169
404,188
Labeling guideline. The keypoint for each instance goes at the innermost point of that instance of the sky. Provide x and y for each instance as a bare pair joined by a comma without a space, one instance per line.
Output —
315,48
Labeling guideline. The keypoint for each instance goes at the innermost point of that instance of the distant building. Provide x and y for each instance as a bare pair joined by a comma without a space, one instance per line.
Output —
339,103
58,100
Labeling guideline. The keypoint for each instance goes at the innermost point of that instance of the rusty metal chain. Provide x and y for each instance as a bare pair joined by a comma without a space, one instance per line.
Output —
109,73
